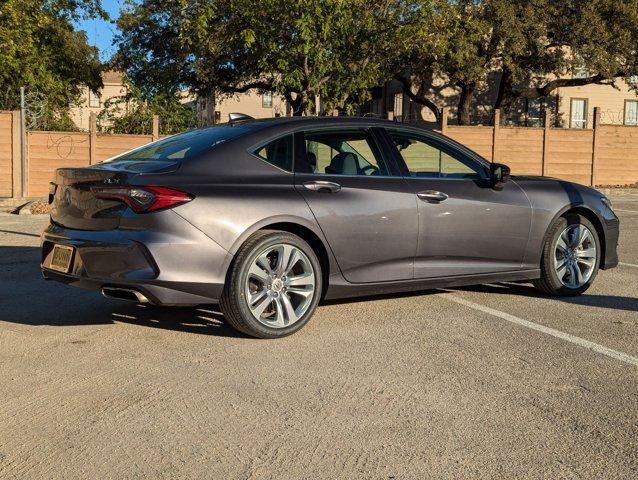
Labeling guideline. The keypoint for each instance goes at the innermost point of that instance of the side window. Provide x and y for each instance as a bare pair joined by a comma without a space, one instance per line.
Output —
278,153
342,152
425,159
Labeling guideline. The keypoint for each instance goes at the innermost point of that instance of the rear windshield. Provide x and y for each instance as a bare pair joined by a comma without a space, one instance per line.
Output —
184,145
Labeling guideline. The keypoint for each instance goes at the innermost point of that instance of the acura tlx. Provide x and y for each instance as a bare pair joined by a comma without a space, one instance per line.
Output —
270,217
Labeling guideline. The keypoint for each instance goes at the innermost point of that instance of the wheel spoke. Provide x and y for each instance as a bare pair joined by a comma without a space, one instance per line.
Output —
292,261
301,291
283,258
576,276
290,314
575,237
561,269
259,303
587,253
305,279
256,271
280,320
563,241
264,263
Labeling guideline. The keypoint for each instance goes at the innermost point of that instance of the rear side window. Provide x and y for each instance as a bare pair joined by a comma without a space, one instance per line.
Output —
278,153
184,145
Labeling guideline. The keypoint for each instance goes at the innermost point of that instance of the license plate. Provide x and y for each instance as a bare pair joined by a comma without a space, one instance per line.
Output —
61,258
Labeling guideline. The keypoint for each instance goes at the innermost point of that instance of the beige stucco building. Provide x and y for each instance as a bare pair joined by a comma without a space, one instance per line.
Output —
114,86
571,107
254,103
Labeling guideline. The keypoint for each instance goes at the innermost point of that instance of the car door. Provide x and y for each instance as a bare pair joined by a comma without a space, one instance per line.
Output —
466,226
362,204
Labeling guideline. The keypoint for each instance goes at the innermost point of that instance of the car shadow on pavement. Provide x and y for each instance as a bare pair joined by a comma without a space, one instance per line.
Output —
612,302
27,299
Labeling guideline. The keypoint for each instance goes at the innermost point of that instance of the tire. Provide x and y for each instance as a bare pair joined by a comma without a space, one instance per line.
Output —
257,276
566,282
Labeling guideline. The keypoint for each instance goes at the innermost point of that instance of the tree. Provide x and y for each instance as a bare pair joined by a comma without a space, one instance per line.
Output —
150,47
298,48
133,113
535,46
40,50
546,41
446,40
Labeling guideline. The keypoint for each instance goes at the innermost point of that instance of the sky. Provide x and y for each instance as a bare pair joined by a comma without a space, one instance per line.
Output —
101,33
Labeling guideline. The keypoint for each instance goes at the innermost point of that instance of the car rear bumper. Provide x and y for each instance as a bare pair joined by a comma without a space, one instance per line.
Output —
177,267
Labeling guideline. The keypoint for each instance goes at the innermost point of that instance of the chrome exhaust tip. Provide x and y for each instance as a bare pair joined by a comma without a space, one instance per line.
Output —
124,294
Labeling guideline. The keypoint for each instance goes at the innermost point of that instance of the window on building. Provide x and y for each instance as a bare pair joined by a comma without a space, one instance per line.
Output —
398,106
534,109
94,99
631,112
266,100
578,115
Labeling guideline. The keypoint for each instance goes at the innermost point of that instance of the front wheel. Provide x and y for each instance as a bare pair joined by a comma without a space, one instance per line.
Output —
274,285
570,258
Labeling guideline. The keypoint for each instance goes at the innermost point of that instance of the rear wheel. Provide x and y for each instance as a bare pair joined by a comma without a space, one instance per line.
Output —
571,256
274,285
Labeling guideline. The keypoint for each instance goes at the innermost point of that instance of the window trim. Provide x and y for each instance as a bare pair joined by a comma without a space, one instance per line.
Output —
377,143
586,112
624,116
442,143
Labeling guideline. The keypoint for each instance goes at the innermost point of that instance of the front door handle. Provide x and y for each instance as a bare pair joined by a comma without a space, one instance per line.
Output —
432,196
322,186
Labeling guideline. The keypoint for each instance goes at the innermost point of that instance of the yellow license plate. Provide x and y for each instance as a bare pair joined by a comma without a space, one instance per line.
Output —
61,258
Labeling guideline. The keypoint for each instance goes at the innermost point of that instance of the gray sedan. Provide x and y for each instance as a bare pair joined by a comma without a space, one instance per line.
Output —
269,217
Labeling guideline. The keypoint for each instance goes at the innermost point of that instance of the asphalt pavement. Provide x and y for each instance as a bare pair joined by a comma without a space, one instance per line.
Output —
493,381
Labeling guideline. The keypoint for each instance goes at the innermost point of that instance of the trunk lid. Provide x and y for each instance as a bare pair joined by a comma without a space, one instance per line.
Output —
74,204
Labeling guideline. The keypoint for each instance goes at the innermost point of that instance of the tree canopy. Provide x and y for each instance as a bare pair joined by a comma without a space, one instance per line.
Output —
340,49
40,50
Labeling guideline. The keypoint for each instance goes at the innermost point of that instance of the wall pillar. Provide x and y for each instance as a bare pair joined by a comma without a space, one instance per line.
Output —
497,126
92,138
17,171
155,127
445,114
595,141
546,126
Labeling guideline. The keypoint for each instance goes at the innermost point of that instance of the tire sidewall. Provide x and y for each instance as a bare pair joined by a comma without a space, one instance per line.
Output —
242,274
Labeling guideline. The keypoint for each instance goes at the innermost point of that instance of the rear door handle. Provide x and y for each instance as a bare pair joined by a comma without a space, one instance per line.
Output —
432,196
322,186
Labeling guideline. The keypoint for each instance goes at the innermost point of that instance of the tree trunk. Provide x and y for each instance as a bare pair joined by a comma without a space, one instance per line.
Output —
465,104
504,88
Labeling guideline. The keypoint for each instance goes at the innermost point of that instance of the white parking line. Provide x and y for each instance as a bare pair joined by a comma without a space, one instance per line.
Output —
623,357
626,211
628,264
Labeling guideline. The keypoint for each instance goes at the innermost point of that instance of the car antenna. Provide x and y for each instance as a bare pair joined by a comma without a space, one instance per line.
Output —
238,117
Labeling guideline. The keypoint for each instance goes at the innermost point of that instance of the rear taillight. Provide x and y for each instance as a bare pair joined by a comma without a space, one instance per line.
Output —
143,199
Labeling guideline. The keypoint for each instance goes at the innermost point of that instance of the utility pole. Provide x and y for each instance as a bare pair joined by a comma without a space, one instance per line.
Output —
23,142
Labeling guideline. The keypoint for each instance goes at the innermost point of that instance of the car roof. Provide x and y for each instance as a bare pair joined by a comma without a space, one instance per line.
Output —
314,121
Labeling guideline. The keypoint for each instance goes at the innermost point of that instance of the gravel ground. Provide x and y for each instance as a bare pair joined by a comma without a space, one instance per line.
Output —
483,382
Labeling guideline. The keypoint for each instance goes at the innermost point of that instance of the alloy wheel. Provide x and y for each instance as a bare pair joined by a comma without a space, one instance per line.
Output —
575,256
280,285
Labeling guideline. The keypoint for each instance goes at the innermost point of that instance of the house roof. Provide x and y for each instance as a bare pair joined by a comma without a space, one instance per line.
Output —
113,76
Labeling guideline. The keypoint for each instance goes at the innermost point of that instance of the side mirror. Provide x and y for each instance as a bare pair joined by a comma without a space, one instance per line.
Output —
499,174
